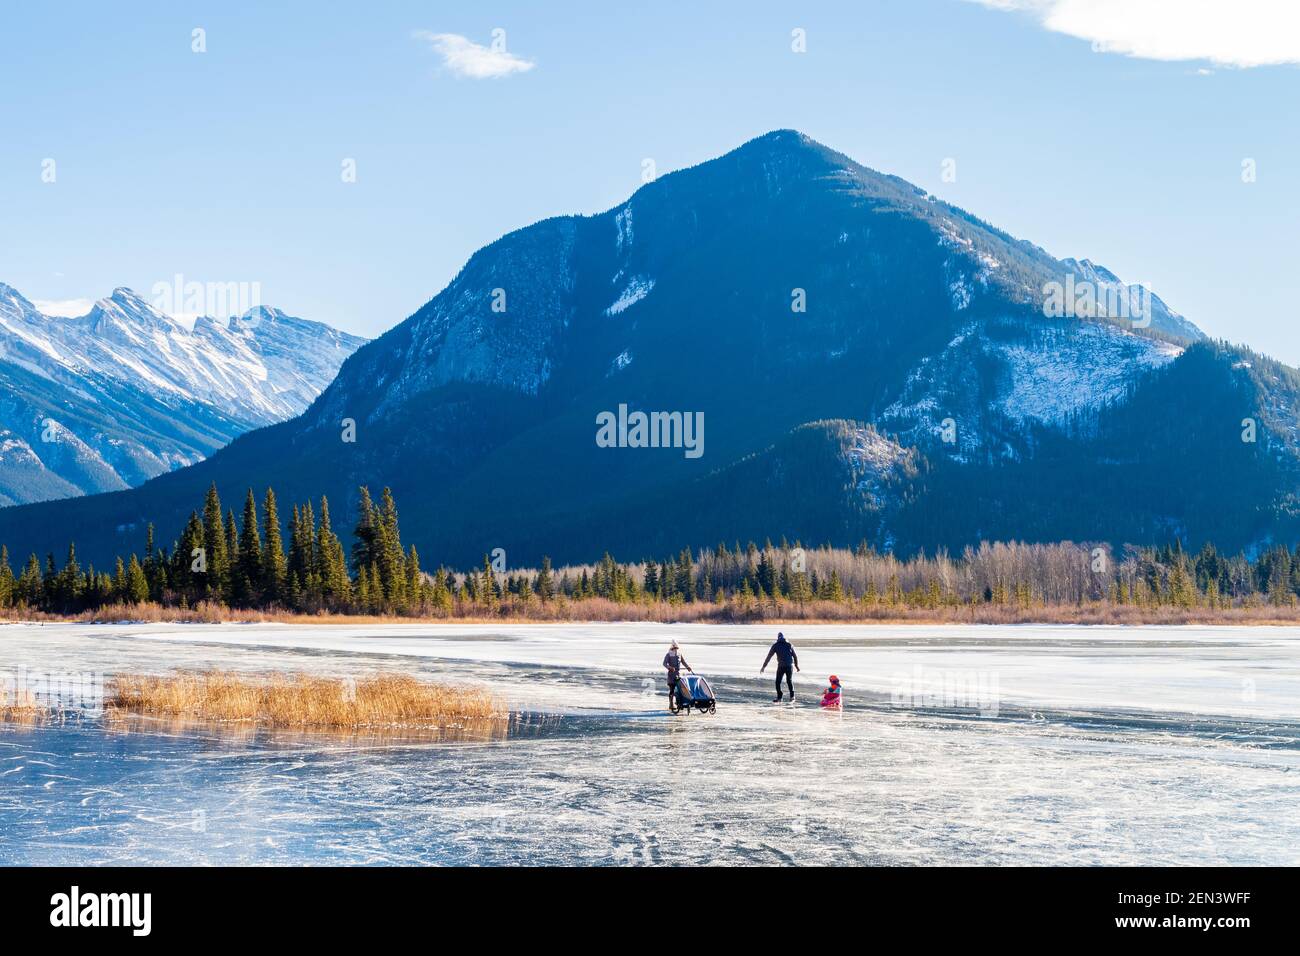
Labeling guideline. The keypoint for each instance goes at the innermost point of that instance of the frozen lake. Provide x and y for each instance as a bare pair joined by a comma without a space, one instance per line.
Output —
957,745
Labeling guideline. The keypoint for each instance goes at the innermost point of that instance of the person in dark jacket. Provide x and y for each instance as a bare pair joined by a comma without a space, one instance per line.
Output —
785,658
674,662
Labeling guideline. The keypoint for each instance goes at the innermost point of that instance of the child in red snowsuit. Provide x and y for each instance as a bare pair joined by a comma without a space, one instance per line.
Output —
831,698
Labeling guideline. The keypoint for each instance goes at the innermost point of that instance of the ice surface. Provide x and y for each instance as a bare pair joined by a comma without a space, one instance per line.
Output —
956,745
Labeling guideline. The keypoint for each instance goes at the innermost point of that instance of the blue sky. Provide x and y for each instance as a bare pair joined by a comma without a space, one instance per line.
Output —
225,166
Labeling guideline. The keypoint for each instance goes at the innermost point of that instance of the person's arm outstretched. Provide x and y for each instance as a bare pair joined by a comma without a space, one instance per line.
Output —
794,657
770,652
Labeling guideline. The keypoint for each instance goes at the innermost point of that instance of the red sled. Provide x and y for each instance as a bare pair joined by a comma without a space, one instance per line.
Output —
831,700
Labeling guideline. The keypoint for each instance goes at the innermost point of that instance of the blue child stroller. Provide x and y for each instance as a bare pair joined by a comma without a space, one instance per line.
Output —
692,691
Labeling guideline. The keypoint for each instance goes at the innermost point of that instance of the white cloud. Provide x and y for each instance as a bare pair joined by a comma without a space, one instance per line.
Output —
65,308
1241,33
466,58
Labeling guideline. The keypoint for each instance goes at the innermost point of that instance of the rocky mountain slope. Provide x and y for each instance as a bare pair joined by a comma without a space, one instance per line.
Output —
124,393
869,363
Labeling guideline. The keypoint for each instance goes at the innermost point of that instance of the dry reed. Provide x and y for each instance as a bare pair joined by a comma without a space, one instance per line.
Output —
706,612
302,701
20,706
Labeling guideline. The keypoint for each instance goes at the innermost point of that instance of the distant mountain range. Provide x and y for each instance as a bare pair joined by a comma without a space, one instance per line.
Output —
870,363
124,393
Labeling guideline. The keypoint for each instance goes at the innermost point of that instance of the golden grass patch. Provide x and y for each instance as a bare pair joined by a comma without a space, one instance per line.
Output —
302,701
737,611
20,706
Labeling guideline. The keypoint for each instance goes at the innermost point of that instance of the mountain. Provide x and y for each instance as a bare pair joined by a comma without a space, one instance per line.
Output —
855,359
124,393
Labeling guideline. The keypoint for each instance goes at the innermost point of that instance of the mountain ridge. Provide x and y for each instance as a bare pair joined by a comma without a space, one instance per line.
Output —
111,398
918,319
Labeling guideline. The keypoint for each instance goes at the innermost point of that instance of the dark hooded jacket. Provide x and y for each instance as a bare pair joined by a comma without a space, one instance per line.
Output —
785,655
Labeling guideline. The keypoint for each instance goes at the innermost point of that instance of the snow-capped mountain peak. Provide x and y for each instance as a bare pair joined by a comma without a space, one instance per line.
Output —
126,317
14,304
197,388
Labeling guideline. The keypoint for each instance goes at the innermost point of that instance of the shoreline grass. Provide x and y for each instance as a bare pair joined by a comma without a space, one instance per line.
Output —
300,701
21,706
601,610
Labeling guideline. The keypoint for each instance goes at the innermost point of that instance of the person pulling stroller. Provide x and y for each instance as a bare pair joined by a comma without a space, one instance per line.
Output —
674,662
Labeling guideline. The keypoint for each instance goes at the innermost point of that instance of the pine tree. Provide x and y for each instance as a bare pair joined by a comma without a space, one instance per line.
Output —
832,589
249,567
119,581
296,568
273,563
683,584
232,559
1182,592
312,561
333,570
413,579
31,588
363,590
391,560
214,537
155,567
801,591
69,585
767,574
651,584
137,588
8,583
185,580
488,588
545,582
440,595
375,588
364,550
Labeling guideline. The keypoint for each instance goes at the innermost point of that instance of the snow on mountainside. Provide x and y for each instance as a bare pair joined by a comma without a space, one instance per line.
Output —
110,399
872,458
826,320
1041,374
1061,371
637,289
1162,317
261,367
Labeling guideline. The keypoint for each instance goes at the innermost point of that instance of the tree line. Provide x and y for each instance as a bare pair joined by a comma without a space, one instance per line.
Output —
252,564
